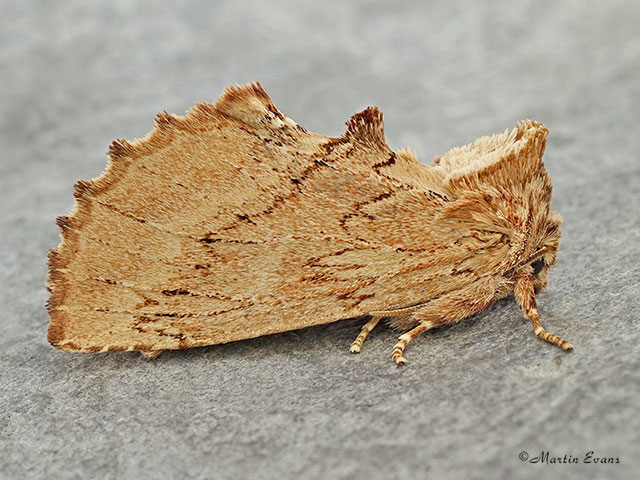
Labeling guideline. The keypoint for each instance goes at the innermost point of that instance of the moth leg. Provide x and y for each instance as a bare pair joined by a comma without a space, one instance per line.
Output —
405,338
356,346
151,354
540,332
447,309
526,298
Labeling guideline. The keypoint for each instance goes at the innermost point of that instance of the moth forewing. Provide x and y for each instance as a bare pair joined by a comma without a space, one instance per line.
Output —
234,222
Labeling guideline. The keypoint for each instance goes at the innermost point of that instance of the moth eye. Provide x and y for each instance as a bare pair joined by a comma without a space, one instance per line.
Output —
538,265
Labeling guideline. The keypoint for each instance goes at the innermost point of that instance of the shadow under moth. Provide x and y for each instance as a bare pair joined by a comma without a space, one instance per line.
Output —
234,222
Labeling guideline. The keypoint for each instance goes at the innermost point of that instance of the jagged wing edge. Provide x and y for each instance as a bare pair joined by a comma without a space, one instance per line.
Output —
366,128
236,101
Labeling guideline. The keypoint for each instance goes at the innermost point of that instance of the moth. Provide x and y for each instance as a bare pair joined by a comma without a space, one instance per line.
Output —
234,222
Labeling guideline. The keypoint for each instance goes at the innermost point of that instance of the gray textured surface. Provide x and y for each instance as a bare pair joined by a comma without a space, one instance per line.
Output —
298,405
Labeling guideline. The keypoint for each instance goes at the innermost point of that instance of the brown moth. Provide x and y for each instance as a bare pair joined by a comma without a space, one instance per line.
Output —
234,222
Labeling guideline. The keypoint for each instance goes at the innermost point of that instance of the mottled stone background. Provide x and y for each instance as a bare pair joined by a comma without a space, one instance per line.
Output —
76,74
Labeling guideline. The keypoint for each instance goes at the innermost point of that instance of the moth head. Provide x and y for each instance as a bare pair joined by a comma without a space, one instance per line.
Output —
536,237
546,244
499,185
